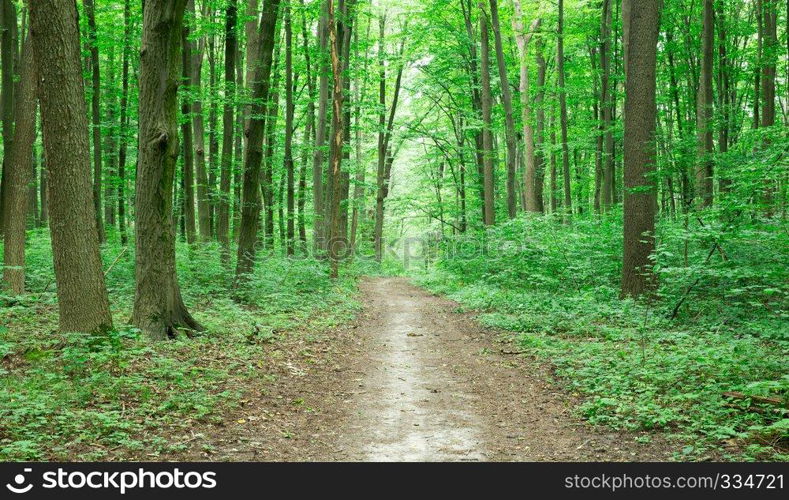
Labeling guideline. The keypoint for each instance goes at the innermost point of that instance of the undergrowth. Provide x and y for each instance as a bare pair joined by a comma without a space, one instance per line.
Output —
119,395
557,287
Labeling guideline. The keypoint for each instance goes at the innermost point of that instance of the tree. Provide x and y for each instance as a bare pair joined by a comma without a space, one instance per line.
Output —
250,210
704,144
187,179
506,100
198,127
640,200
7,54
223,219
530,173
82,296
487,132
607,184
20,167
95,107
123,140
159,309
568,201
289,110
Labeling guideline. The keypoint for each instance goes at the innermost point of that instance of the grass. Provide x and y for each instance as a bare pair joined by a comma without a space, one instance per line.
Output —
556,288
116,396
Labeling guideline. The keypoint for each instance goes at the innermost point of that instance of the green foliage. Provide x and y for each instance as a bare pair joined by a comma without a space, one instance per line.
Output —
90,397
556,286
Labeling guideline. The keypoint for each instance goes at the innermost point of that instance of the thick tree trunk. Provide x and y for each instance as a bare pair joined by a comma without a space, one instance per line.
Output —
82,297
8,55
159,310
640,202
20,167
95,104
506,100
568,201
487,125
704,145
250,210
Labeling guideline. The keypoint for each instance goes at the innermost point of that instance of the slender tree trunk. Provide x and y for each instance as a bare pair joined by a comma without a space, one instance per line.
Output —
124,123
20,167
539,160
188,146
334,243
95,113
384,138
723,90
509,121
223,218
82,297
198,132
289,111
568,202
159,310
110,145
640,202
250,210
704,145
213,136
487,125
530,168
320,132
43,189
607,185
768,66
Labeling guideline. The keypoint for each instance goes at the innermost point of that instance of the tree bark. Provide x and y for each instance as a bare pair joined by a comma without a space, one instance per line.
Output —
198,133
487,125
607,184
82,297
159,310
124,123
223,217
8,55
568,201
289,111
335,243
640,200
20,167
704,145
506,100
250,210
320,133
95,105
188,182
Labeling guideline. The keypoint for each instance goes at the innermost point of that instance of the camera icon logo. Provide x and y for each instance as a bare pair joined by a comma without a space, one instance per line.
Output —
19,481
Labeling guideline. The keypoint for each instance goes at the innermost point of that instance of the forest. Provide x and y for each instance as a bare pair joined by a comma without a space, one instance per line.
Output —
249,229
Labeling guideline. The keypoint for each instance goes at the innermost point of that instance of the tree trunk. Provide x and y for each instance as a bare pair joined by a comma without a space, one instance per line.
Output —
188,147
506,100
159,309
20,167
530,194
640,200
223,218
568,202
250,210
289,110
198,132
607,184
335,243
704,145
8,54
82,297
95,105
124,123
487,125
320,133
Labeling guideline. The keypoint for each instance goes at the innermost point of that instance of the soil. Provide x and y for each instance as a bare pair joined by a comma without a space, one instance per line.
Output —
412,379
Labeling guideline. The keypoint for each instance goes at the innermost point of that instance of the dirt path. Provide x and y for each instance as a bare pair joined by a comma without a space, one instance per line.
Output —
414,380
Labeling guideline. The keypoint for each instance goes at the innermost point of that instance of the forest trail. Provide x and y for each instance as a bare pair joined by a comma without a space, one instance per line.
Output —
413,379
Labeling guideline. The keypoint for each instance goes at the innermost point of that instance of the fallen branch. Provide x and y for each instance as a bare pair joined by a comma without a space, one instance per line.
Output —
757,399
115,261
